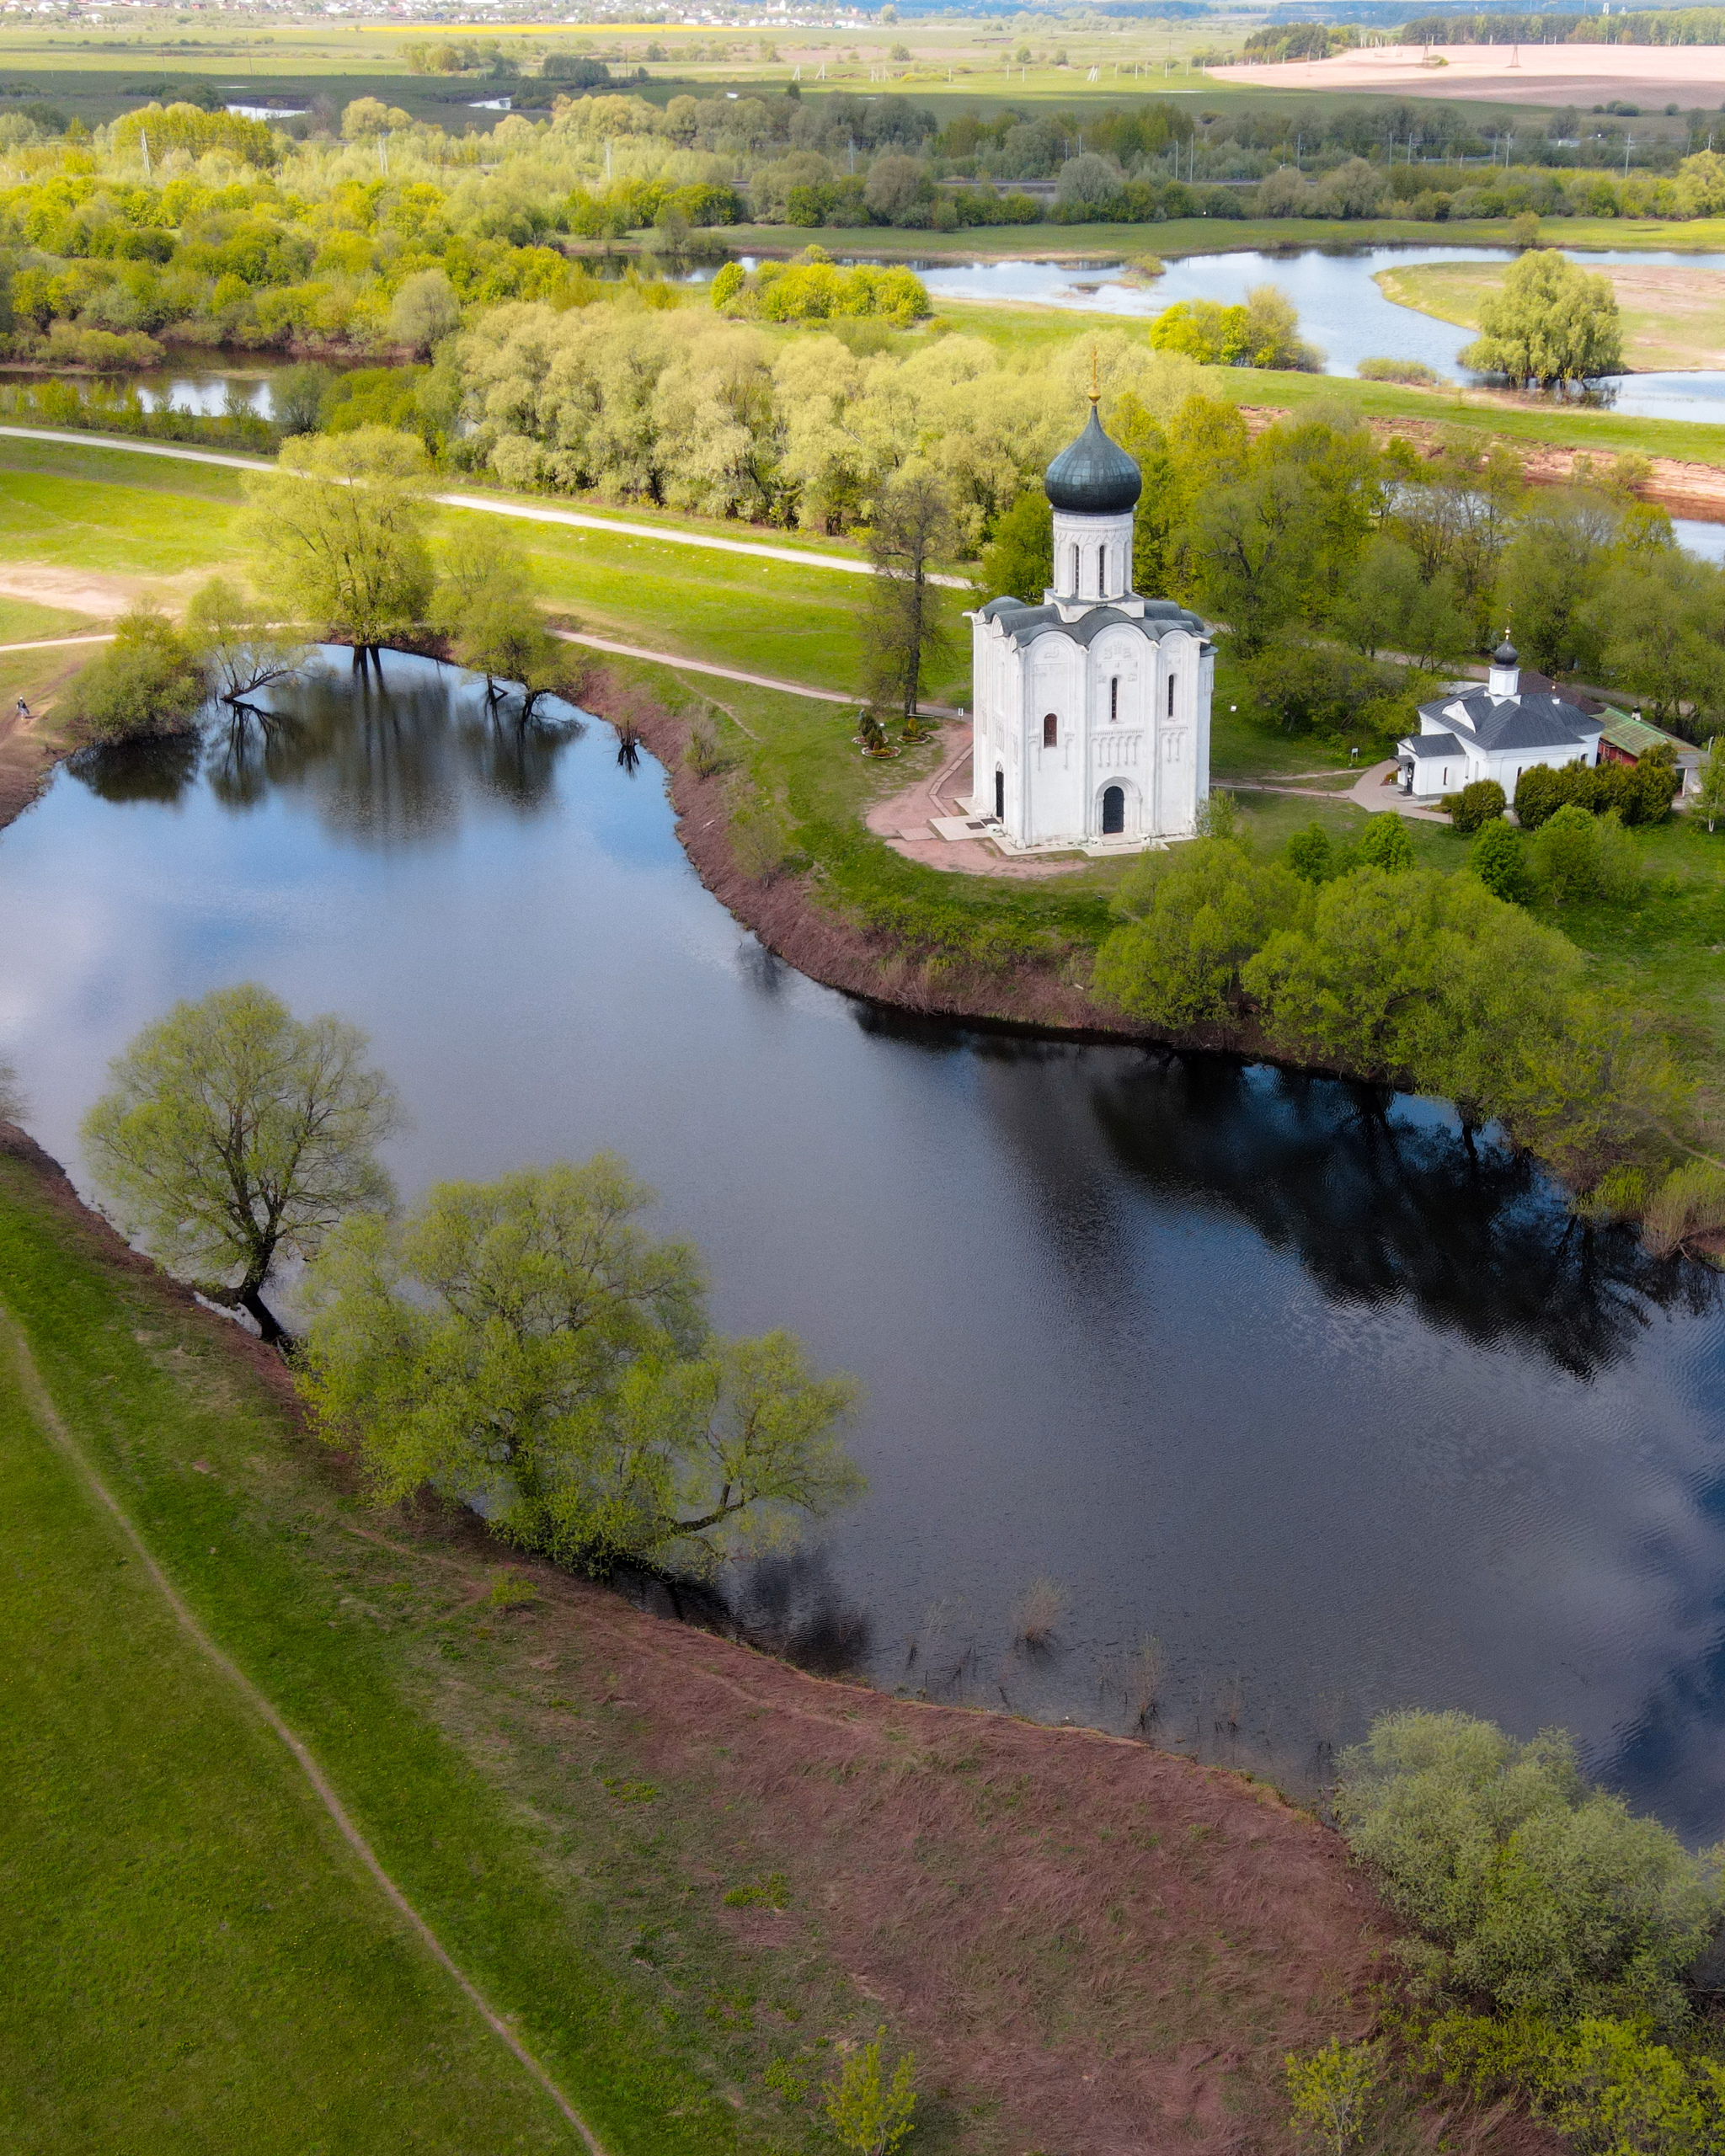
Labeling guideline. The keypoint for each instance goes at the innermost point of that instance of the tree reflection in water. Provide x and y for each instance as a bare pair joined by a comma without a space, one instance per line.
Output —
1382,1197
387,767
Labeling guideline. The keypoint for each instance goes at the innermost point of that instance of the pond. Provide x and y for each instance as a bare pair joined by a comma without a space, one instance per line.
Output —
1339,1414
1343,311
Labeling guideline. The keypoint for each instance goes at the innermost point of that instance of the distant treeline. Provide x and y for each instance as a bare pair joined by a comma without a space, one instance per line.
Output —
1654,26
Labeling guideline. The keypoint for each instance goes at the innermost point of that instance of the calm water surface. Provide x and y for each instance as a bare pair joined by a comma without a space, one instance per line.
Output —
1338,1415
1343,311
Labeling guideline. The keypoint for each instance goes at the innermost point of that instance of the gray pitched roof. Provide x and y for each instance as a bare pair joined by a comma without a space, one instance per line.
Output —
1023,624
1431,744
1536,721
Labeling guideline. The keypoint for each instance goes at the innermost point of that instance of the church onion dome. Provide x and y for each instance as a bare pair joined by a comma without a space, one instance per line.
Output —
1094,477
1506,655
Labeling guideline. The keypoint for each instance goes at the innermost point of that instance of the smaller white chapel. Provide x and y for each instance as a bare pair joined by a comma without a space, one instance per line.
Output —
1092,709
1495,732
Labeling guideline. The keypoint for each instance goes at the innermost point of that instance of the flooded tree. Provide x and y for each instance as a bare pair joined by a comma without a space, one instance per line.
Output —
525,1346
233,1133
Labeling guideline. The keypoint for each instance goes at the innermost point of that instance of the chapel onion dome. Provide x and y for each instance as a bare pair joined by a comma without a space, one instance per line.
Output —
1506,655
1094,477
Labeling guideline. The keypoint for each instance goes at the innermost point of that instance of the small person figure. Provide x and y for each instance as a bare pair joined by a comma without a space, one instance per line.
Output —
24,709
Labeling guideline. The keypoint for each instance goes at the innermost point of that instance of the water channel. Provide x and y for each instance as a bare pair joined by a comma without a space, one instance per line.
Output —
1339,1414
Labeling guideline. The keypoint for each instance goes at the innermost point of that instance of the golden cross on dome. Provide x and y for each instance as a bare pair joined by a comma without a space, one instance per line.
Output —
1095,385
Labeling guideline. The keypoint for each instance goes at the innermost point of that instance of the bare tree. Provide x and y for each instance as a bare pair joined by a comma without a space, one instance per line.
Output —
913,530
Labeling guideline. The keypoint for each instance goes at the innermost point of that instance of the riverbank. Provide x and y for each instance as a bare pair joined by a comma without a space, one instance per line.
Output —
675,1863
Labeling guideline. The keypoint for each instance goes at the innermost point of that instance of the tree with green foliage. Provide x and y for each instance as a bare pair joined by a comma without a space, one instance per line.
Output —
296,397
1194,916
1018,562
11,1096
1526,1886
1550,579
1482,801
487,605
338,531
1665,634
870,2113
1390,604
232,1133
1576,855
527,1343
1710,790
424,312
1498,857
242,650
912,532
1254,552
147,682
1552,323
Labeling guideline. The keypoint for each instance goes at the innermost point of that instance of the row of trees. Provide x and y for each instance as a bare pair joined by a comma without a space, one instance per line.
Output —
338,541
1409,977
524,1345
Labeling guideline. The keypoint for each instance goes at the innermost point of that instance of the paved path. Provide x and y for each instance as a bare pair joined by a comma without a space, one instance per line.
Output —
701,666
798,557
52,643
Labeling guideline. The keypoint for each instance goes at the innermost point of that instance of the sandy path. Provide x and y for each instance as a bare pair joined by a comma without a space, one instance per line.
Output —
1509,74
903,820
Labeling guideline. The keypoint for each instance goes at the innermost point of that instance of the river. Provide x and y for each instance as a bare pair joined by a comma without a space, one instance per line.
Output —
1339,1415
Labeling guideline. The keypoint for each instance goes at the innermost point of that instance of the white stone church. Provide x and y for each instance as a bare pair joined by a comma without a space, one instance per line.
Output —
1092,709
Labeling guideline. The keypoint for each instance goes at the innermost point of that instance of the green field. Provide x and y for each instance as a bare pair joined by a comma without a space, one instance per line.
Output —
1672,317
195,1960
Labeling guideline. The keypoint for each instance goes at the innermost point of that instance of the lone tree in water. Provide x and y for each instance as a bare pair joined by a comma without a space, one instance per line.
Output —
242,650
526,1345
1552,323
338,533
487,605
233,1133
913,529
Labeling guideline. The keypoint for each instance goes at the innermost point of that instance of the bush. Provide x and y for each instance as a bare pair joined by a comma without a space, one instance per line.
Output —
1498,857
1414,373
1689,1202
1310,854
1384,843
1482,802
1198,914
147,683
1640,793
868,2113
1329,2094
1579,856
1531,1889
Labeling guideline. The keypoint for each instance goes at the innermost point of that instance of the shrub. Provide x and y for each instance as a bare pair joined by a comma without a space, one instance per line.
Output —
1414,373
1310,854
145,684
868,2114
1576,855
1330,2094
1530,1888
1498,857
1689,1202
1384,843
1481,802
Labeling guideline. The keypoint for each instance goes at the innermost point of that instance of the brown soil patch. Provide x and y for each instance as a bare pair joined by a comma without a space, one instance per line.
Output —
1093,1947
1507,73
30,748
1683,488
80,591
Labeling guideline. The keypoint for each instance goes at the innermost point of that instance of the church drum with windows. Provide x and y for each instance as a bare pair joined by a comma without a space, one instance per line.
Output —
1092,708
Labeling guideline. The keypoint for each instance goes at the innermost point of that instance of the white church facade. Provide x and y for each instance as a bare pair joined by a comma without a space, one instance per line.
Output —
1092,708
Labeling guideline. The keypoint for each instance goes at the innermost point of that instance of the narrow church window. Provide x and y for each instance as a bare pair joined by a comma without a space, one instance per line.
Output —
1050,731
1115,698
1101,572
1000,795
1171,695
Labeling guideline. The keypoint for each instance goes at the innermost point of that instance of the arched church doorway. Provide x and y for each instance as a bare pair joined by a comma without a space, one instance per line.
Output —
1000,795
1113,811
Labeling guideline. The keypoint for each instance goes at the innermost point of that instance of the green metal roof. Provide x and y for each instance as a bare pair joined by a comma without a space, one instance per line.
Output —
1636,736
